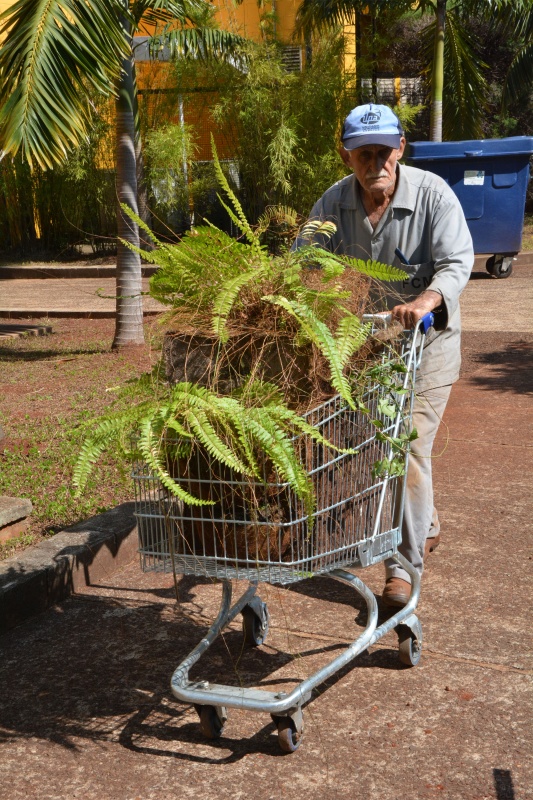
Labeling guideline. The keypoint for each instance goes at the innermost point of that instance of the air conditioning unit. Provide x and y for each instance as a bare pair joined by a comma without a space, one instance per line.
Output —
291,57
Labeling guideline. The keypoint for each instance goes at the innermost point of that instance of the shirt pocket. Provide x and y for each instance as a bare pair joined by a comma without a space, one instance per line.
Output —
419,277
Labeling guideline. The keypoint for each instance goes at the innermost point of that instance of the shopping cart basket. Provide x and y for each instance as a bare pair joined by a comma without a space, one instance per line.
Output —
260,531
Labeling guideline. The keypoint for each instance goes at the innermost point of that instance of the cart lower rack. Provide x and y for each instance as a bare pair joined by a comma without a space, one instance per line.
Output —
260,531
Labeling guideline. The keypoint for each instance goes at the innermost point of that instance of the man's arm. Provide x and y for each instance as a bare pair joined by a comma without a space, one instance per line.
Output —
408,314
453,254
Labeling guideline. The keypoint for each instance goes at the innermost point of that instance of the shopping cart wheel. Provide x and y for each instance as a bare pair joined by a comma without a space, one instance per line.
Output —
410,648
500,266
289,737
212,721
255,622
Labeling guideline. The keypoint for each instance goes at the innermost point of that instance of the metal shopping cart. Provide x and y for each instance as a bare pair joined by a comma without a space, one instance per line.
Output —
261,532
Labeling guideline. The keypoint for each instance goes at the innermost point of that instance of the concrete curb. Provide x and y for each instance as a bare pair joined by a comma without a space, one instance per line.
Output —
68,313
50,571
72,271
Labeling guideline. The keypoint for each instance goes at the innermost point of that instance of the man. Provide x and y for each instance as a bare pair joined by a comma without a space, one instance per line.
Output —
411,219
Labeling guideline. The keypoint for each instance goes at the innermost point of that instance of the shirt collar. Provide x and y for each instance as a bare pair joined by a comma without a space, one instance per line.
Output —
403,196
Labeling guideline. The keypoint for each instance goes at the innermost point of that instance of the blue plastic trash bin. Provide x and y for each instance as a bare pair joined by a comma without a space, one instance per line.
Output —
490,177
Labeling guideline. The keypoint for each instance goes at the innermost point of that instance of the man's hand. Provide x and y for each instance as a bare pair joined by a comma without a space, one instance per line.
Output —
408,314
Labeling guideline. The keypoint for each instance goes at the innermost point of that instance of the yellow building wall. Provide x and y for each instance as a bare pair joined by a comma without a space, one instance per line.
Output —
4,5
245,18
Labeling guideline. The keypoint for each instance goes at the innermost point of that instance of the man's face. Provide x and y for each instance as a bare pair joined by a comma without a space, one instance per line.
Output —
375,166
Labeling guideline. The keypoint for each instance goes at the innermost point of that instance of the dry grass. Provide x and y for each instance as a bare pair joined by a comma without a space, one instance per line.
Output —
50,387
527,236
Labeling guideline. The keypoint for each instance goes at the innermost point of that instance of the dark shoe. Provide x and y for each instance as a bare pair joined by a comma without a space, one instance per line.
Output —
396,592
431,545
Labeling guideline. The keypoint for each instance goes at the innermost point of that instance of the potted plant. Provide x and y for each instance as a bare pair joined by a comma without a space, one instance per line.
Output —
255,341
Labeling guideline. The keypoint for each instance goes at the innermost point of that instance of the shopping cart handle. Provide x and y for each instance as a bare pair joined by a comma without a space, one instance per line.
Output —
427,321
385,319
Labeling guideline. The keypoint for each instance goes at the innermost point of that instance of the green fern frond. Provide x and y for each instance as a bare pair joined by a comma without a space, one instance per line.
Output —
91,449
351,336
279,213
317,227
238,215
226,299
208,437
319,333
151,454
374,269
274,441
152,256
140,222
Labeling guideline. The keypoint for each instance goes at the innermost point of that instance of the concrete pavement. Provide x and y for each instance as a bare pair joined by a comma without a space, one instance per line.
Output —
86,710
89,291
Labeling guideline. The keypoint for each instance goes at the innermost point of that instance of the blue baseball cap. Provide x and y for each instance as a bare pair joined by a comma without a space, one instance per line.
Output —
371,124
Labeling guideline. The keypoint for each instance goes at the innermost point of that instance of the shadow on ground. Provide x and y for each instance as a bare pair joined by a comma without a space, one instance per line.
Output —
512,368
11,354
111,682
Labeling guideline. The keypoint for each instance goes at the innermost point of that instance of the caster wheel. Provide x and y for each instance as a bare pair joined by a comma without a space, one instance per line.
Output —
210,723
409,649
254,627
288,737
500,266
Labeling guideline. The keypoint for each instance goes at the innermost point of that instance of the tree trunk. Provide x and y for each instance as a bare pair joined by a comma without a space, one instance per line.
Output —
129,319
437,77
358,46
142,188
374,56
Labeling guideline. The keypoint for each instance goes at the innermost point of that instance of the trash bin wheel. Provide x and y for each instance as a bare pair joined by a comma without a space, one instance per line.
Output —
254,628
288,737
500,266
210,723
409,648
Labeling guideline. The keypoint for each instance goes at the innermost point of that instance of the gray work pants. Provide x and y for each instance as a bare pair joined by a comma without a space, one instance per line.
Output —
420,519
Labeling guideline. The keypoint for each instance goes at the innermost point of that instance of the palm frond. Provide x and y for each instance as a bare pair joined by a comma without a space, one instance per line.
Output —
464,102
162,11
51,50
200,43
519,76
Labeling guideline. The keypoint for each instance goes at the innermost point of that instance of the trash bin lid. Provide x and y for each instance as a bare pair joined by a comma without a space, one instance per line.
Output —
473,148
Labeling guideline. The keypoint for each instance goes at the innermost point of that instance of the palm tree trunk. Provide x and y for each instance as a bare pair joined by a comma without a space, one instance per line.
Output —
142,188
129,319
437,77
374,81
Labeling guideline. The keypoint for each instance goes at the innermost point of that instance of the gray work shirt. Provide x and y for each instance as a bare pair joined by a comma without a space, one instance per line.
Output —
426,222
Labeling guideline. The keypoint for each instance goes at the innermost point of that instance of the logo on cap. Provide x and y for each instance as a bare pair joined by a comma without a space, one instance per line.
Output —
371,117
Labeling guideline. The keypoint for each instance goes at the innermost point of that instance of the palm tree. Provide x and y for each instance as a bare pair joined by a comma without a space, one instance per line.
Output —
456,74
518,27
54,51
457,112
313,16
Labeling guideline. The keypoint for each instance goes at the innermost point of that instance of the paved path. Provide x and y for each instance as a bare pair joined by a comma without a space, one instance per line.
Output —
63,297
490,304
94,296
86,711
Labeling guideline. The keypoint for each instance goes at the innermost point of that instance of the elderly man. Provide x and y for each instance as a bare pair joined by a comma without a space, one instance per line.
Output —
411,219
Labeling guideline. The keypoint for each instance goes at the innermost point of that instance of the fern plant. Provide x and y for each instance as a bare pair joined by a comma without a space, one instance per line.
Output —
225,288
